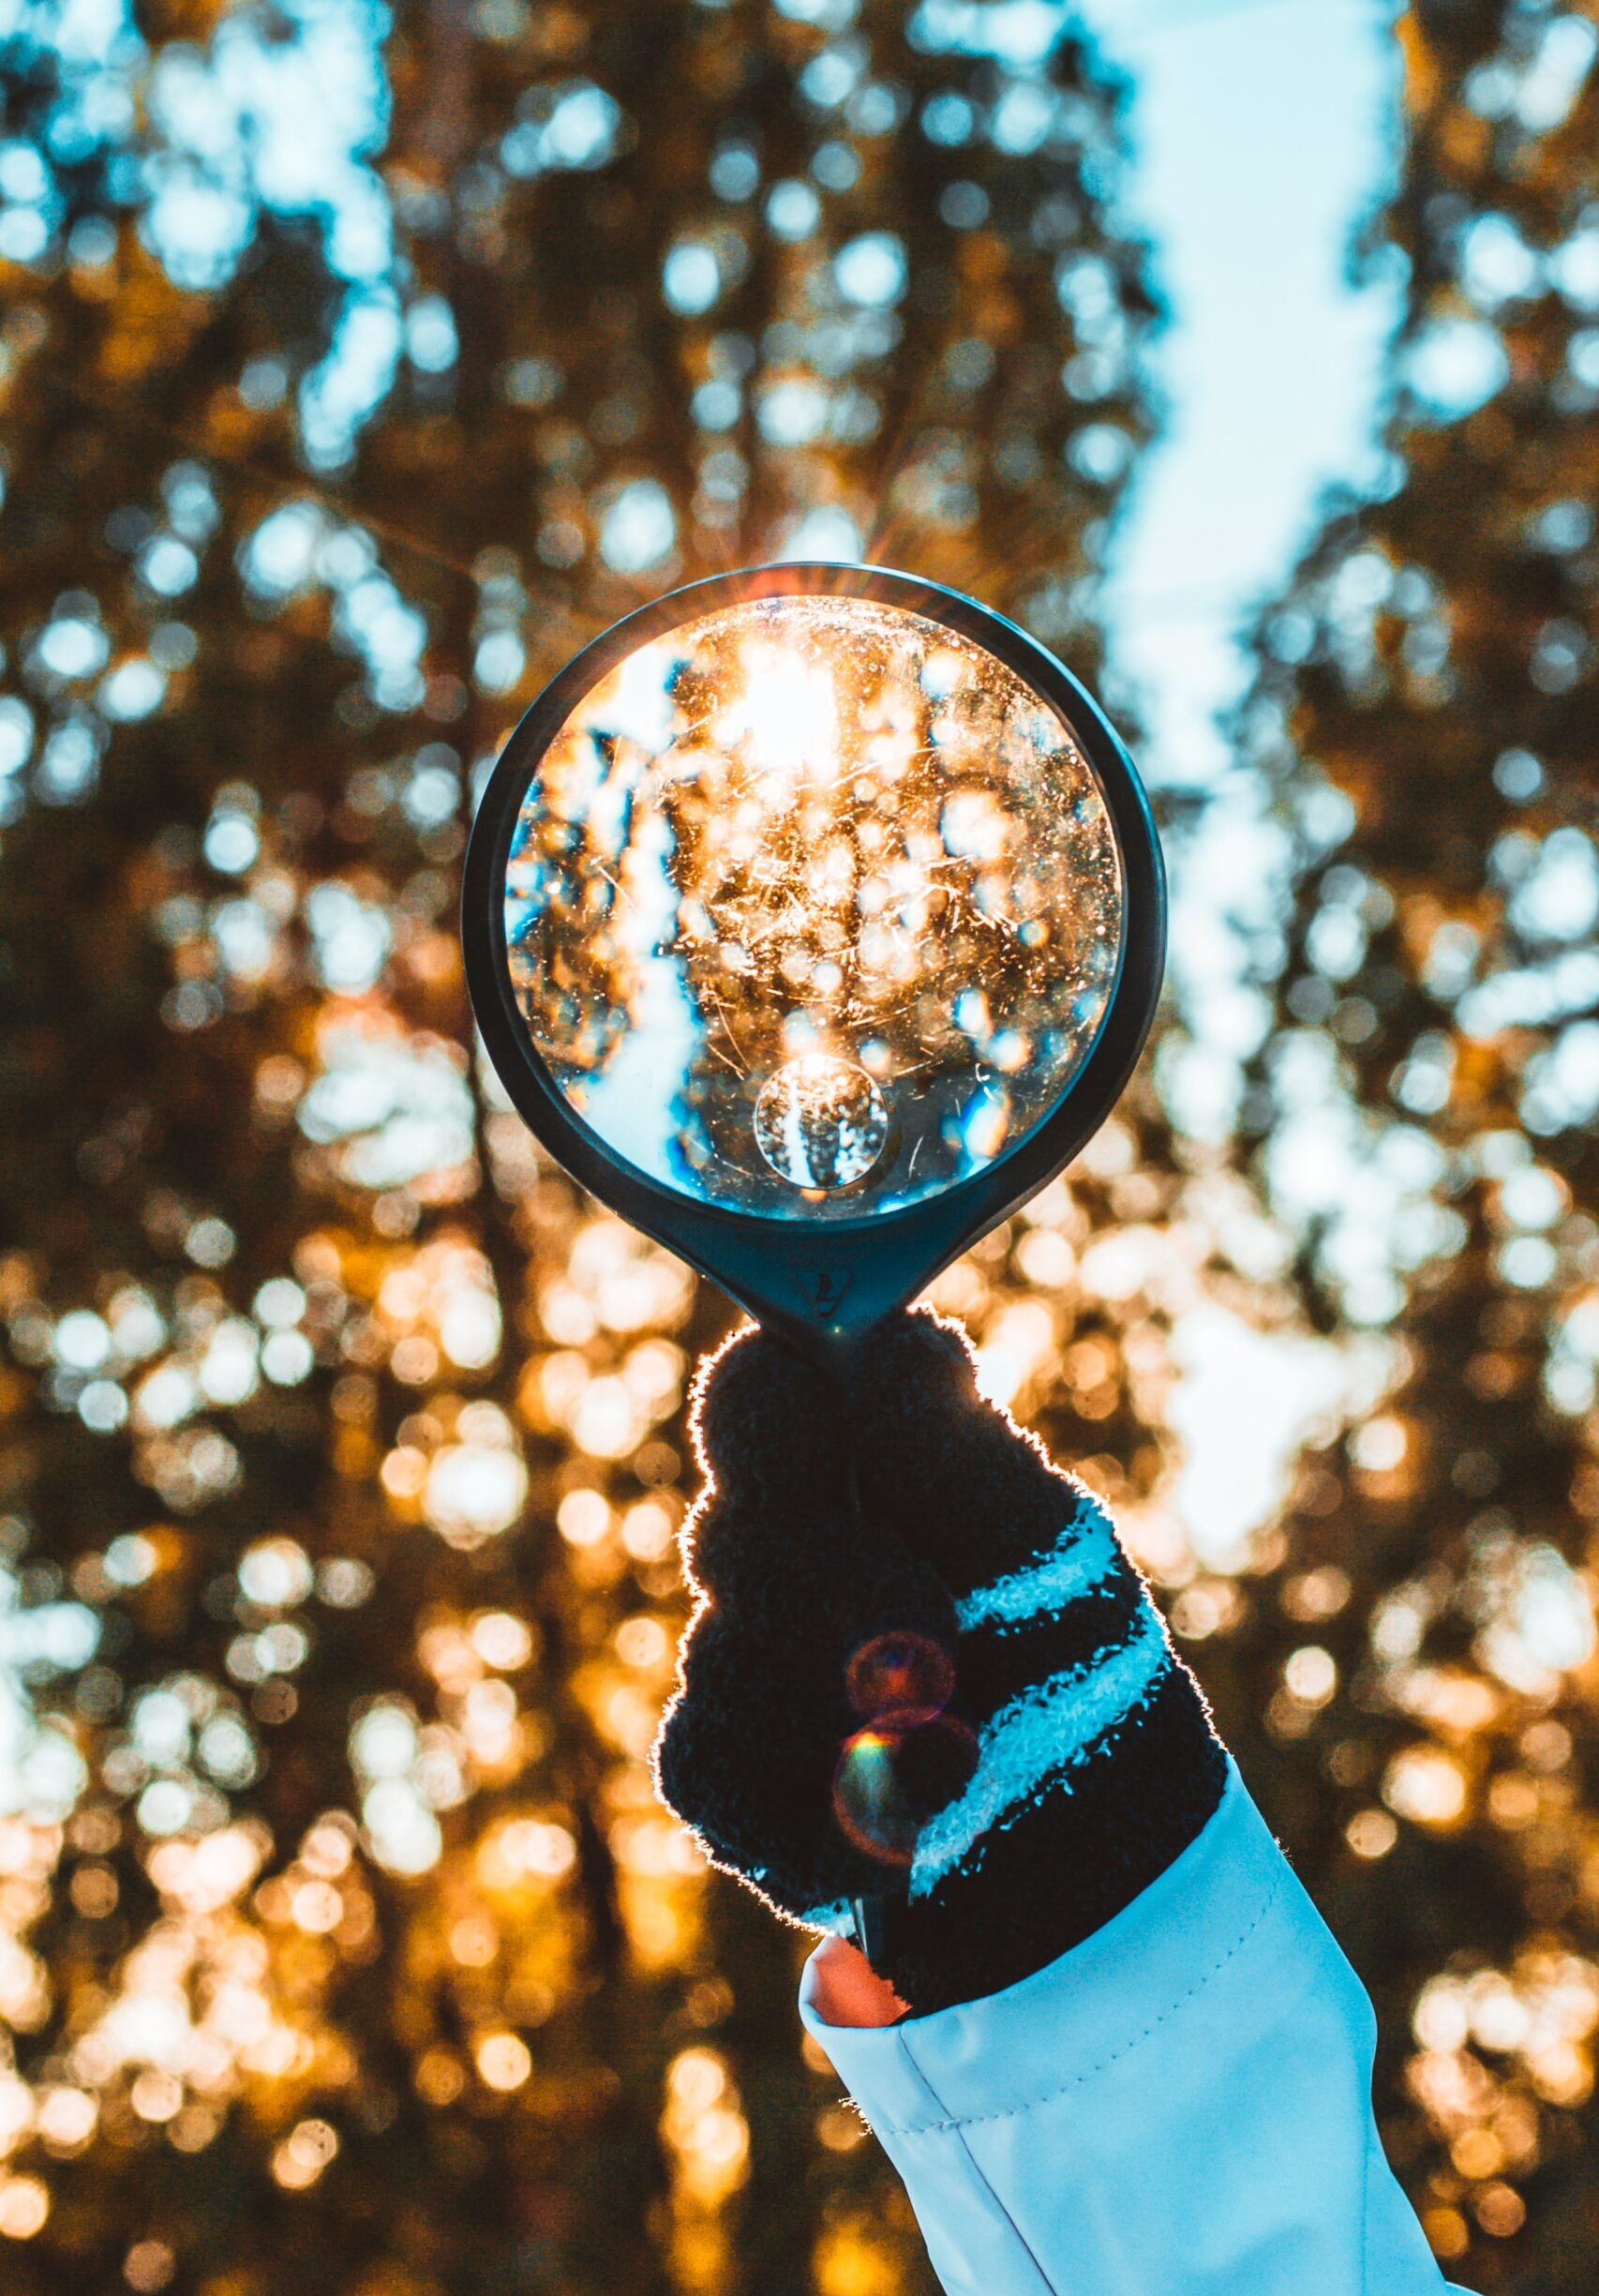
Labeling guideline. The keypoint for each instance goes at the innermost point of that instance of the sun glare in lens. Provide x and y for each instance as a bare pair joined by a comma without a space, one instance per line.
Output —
813,908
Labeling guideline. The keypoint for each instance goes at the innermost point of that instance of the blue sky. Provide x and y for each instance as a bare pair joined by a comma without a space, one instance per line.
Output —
1264,130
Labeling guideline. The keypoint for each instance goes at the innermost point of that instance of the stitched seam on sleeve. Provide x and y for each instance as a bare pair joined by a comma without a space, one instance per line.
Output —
1365,2218
956,2129
1010,2112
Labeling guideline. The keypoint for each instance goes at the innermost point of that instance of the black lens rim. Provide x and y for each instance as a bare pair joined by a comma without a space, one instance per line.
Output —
825,1283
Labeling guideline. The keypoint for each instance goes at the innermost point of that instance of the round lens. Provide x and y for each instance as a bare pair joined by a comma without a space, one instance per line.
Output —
813,908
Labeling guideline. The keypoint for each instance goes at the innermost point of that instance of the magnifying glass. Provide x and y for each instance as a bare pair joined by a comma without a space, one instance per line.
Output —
814,917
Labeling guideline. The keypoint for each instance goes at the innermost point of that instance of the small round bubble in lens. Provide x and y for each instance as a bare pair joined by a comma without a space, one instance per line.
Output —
820,1123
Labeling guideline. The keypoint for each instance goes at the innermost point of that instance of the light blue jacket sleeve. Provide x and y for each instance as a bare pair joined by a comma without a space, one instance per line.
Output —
1181,2106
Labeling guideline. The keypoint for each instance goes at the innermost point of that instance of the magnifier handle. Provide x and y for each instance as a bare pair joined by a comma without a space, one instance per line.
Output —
870,1918
870,1914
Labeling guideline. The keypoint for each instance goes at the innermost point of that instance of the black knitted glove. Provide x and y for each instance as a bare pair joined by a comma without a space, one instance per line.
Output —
913,1507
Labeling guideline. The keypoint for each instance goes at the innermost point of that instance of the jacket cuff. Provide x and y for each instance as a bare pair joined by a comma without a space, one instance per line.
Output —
1181,2103
1070,2019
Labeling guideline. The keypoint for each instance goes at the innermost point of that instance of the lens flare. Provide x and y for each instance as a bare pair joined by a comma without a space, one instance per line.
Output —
890,1780
898,1674
912,1756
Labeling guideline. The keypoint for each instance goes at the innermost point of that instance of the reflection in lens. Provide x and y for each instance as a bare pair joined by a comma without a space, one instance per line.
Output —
820,1123
813,908
890,1781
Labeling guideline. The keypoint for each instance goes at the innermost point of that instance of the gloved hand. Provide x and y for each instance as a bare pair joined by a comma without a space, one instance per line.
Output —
913,1507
